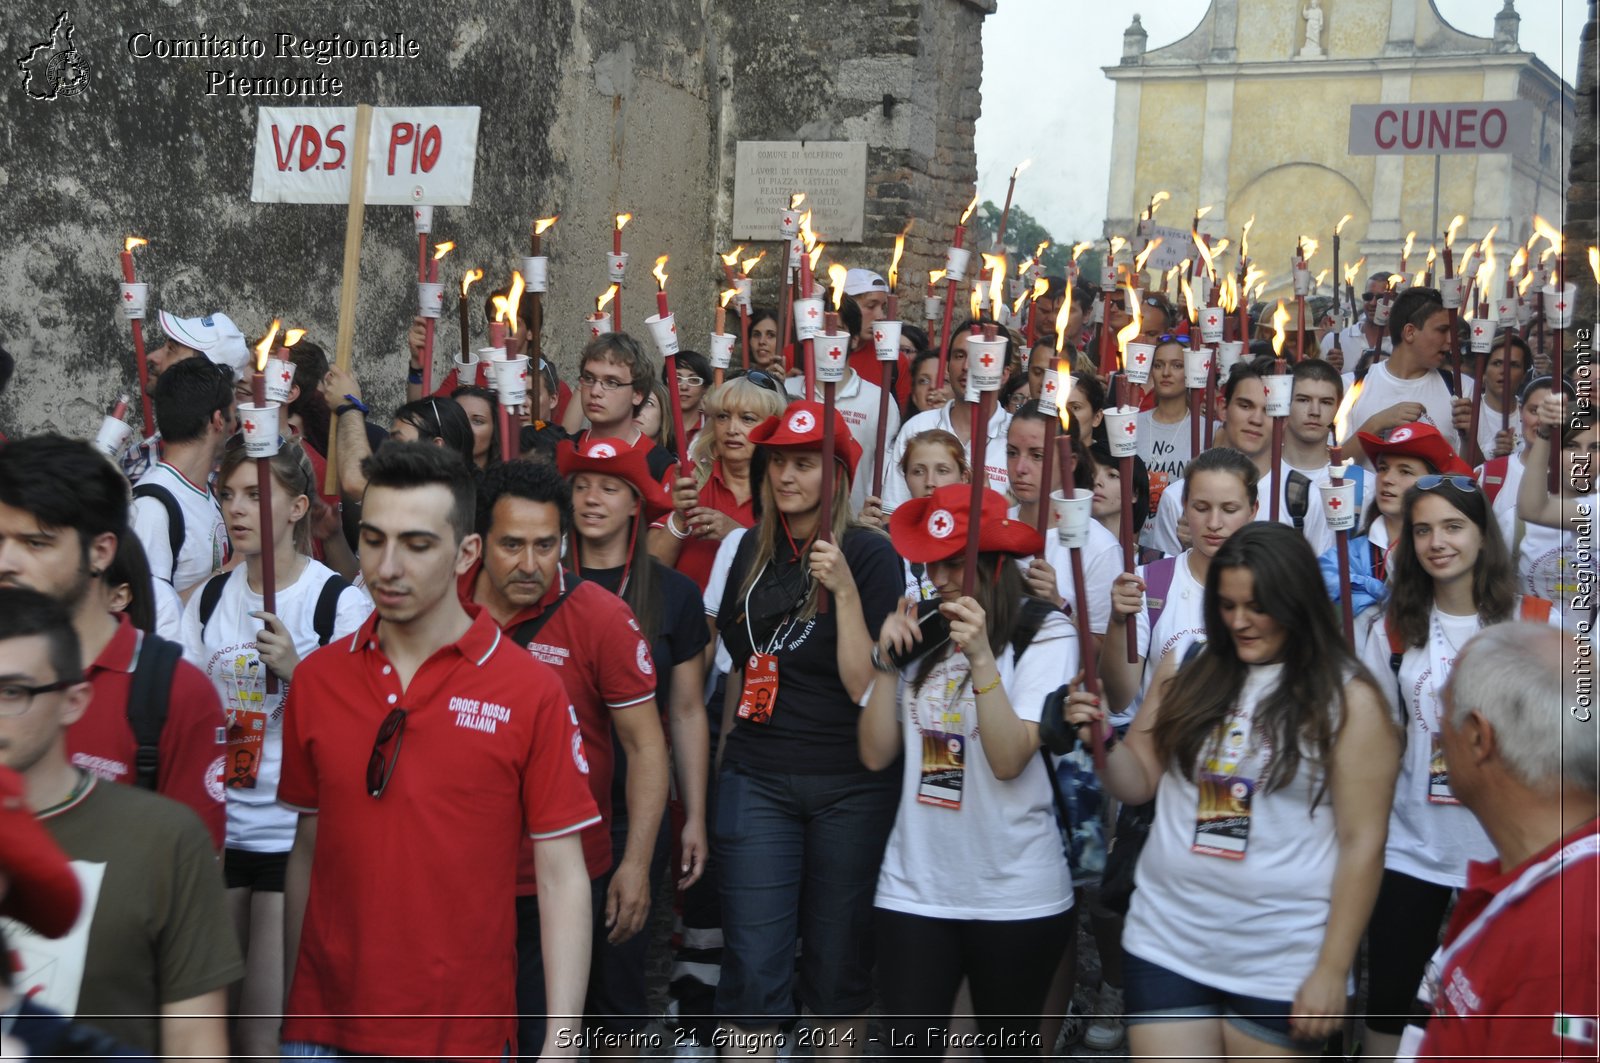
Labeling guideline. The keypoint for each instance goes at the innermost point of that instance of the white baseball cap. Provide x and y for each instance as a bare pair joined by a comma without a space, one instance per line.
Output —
862,281
215,336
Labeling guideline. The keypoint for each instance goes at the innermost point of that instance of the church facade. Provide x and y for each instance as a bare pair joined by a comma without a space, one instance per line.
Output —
1250,114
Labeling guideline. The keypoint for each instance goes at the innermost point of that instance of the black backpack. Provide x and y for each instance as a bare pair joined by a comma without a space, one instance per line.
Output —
175,528
322,619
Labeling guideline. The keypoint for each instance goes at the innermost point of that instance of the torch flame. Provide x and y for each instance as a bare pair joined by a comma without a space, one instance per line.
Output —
1338,228
731,259
1205,252
293,336
1527,282
1280,318
1308,247
816,256
468,279
1040,286
1486,278
1022,166
997,277
1353,270
1144,256
1116,244
1433,253
1594,263
1411,238
970,208
514,299
1061,318
807,236
796,199
727,297
1341,420
1188,298
1518,262
623,220
935,276
1025,265
134,241
1202,212
1079,249
1038,252
1222,245
894,263
1065,379
1244,239
1022,297
836,276
1228,296
441,250
975,302
1450,234
264,348
1394,281
1321,276
1254,278
1419,277
660,273
1548,231
750,263
1126,334
542,226
604,301
1466,260
1158,199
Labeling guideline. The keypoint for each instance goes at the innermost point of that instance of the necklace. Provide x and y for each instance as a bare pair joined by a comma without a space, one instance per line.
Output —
78,789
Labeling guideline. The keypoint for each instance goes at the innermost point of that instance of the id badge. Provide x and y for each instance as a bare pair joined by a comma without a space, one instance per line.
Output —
943,762
760,688
1439,775
1222,822
247,734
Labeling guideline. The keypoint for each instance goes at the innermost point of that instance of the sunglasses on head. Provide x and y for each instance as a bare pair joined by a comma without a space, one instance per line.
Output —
1460,483
759,378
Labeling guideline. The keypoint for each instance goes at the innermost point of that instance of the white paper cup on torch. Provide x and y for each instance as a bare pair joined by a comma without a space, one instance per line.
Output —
1108,277
1558,305
511,381
1524,311
430,299
1072,517
933,307
279,377
1302,281
789,224
744,286
833,353
721,350
1050,390
664,330
260,426
423,217
955,263
616,266
1481,335
466,368
1211,321
113,437
1380,310
1280,393
1228,354
536,273
986,363
808,318
1339,503
1137,361
1450,292
1505,309
132,298
886,340
1122,430
797,248
597,325
1196,368
491,354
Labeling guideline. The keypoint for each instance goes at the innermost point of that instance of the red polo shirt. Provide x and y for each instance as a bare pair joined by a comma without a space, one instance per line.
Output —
409,941
697,555
192,739
594,644
1525,983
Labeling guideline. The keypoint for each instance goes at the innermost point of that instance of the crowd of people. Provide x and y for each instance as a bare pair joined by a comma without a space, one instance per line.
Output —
875,749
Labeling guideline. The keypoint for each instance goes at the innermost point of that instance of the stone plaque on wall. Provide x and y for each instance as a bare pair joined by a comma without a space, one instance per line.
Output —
832,174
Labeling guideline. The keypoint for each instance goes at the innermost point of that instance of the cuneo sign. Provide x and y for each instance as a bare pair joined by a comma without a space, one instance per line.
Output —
1473,128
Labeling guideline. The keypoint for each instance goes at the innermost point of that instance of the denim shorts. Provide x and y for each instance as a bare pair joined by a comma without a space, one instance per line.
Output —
1154,994
799,858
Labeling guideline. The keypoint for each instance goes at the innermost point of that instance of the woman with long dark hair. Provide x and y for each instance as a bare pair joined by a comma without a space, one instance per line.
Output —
483,416
1449,576
766,349
1274,758
974,883
800,824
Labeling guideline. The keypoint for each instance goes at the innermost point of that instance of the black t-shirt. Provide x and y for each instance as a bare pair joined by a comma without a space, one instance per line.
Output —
682,635
658,460
813,726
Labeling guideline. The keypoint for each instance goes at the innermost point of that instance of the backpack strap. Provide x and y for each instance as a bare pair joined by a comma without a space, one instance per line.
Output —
1450,382
210,595
175,528
148,695
327,610
524,633
1535,610
1157,583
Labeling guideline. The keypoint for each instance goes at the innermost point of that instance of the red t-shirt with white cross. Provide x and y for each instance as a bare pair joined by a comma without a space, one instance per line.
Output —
409,940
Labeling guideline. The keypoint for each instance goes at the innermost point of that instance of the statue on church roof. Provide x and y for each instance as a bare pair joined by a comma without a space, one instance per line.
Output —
1312,49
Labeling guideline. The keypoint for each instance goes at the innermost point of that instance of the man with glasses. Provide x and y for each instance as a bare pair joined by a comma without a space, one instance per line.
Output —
155,718
613,382
420,752
1361,335
153,952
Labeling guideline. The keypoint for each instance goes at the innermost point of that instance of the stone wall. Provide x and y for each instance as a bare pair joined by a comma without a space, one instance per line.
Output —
589,108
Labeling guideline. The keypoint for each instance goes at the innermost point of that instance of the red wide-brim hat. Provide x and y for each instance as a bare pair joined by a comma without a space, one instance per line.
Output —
1416,440
613,457
799,427
935,528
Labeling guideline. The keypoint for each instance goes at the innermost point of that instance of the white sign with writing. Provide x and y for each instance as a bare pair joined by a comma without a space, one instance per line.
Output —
1472,128
1176,245
415,155
831,173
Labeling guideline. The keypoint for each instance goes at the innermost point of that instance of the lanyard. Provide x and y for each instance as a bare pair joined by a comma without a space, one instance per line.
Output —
783,630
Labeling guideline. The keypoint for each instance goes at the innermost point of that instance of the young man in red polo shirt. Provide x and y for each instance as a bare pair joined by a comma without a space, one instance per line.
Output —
593,641
62,508
420,752
1516,975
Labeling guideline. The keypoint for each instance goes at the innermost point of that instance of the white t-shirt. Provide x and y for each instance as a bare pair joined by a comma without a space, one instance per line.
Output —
1353,342
1165,449
1489,427
895,491
1547,559
1102,564
997,856
1182,622
1383,389
205,539
169,611
1254,925
226,651
857,401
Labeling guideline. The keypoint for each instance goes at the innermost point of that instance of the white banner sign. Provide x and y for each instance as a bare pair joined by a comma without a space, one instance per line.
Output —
1176,245
415,155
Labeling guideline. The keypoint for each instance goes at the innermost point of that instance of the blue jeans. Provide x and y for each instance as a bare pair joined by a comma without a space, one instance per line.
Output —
799,856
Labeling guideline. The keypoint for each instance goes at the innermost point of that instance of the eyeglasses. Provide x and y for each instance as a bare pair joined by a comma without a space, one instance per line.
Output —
381,765
687,380
589,380
759,378
1460,483
16,699
1369,297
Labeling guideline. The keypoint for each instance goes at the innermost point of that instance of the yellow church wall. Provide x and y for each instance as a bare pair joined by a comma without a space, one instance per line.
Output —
1169,114
1354,29
1270,30
1458,174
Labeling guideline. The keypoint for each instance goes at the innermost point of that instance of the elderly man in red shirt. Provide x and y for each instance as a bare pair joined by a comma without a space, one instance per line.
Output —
1516,975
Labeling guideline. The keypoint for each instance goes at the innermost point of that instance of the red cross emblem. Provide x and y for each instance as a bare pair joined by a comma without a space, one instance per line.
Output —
1477,330
788,220
249,428
1049,385
673,328
1562,305
127,297
602,450
877,337
1139,357
1335,502
285,375
812,313
1211,319
941,523
1130,428
801,422
417,214
987,360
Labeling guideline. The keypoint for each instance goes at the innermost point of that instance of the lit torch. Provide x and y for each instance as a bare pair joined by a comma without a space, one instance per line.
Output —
133,296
